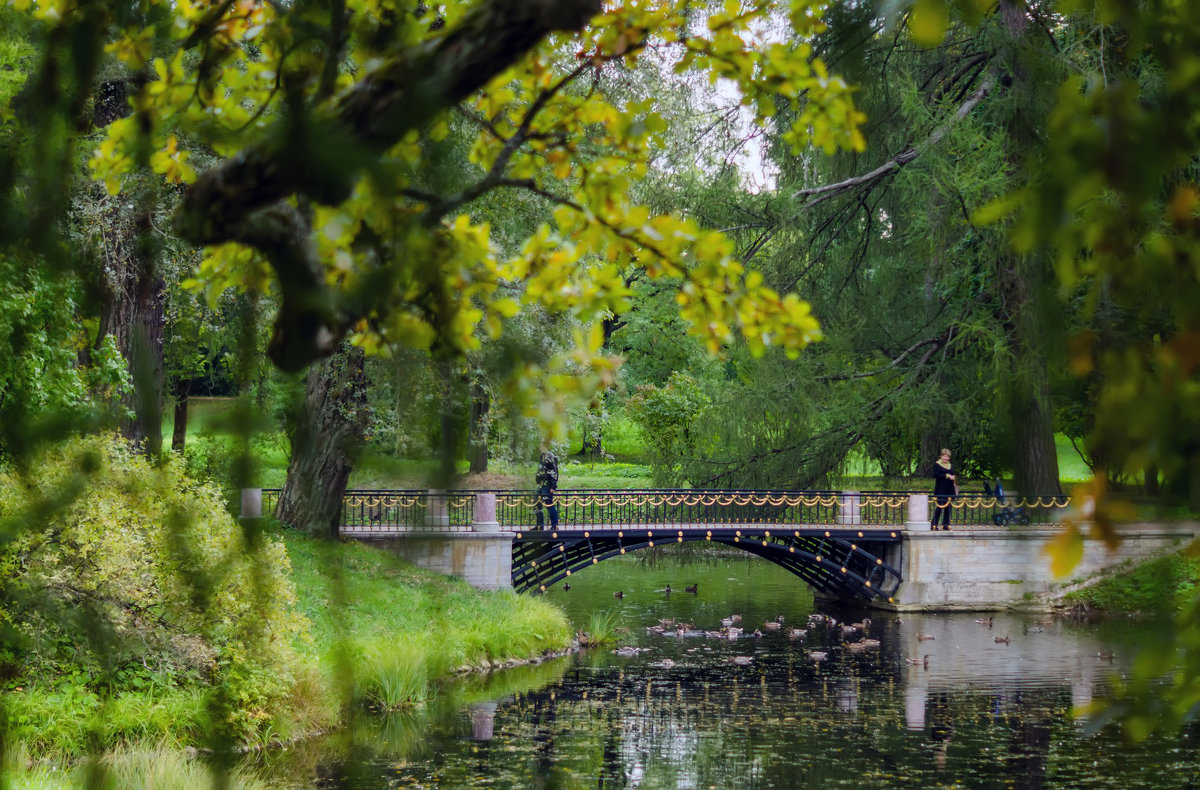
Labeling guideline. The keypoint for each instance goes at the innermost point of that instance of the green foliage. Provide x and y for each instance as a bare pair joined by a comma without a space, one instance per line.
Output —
667,418
140,580
43,390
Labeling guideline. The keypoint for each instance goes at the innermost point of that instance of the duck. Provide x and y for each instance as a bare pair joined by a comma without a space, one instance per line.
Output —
870,643
1000,639
666,590
618,594
566,587
856,645
737,618
797,633
726,621
864,625
1034,629
741,661
666,621
919,661
985,621
771,625
691,588
817,655
626,651
1107,655
666,663
923,637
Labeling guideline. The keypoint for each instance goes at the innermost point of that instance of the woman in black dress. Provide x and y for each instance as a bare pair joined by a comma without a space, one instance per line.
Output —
547,483
944,487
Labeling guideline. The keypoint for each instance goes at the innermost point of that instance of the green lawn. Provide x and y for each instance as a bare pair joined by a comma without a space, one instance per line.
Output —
209,427
1071,468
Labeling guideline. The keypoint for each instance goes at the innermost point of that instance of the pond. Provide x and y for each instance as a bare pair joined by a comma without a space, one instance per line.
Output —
977,705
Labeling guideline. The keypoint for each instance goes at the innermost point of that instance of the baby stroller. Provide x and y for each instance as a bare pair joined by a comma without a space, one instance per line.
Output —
1008,514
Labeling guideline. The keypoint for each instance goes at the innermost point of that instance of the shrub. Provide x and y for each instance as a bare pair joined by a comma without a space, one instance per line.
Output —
120,576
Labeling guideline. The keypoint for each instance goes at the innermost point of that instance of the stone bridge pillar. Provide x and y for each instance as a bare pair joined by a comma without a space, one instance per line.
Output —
485,513
918,512
251,503
437,511
849,510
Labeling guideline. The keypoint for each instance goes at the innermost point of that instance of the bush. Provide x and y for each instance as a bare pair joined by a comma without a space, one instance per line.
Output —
120,577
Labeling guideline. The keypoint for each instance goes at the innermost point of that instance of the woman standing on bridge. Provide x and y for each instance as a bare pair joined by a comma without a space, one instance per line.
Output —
547,483
944,487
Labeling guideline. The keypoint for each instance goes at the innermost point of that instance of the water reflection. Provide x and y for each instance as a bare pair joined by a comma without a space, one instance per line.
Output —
696,712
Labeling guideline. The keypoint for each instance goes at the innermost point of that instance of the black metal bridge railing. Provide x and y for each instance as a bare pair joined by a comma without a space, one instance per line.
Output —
415,509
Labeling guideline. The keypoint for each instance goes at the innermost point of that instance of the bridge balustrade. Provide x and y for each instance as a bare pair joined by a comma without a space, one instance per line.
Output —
395,510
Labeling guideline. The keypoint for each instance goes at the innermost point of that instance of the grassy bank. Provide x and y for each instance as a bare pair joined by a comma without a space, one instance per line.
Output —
392,630
140,618
379,633
1163,585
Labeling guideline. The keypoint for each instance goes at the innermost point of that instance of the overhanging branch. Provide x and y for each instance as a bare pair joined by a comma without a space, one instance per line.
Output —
242,198
827,191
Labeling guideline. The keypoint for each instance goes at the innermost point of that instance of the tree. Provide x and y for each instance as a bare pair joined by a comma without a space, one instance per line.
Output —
335,419
331,119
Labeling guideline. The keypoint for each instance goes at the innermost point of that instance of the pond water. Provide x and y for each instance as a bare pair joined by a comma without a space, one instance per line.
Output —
760,712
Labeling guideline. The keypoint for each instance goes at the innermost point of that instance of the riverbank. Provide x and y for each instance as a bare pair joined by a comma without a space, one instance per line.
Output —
1165,584
150,623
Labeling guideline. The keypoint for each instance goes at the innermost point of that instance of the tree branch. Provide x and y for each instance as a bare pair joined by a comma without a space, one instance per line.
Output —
936,341
901,159
239,199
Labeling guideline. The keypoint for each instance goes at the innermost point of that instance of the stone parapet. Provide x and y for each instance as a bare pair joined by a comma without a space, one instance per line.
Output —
998,569
482,560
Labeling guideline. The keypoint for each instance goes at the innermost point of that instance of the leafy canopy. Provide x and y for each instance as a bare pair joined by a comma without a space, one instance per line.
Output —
324,115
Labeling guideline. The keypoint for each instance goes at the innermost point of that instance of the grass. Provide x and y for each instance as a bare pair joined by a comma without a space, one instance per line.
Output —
405,627
1071,468
381,633
1166,584
602,627
160,767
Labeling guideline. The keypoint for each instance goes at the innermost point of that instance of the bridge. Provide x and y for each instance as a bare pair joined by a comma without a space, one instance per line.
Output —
872,547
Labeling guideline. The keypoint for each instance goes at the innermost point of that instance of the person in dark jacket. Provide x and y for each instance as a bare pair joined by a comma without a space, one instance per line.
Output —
944,487
547,484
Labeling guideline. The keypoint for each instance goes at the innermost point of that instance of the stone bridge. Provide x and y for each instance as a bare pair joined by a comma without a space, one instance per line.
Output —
874,547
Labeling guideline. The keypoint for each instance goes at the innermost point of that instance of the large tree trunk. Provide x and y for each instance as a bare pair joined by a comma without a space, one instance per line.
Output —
326,443
133,291
183,388
1020,282
477,450
1035,467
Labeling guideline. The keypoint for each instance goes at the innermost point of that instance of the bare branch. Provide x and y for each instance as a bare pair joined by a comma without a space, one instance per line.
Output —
937,341
901,159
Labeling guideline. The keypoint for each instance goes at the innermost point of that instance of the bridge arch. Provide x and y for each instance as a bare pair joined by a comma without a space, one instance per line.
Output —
839,563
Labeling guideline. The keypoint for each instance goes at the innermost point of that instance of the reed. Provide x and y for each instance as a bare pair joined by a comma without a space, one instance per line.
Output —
602,628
